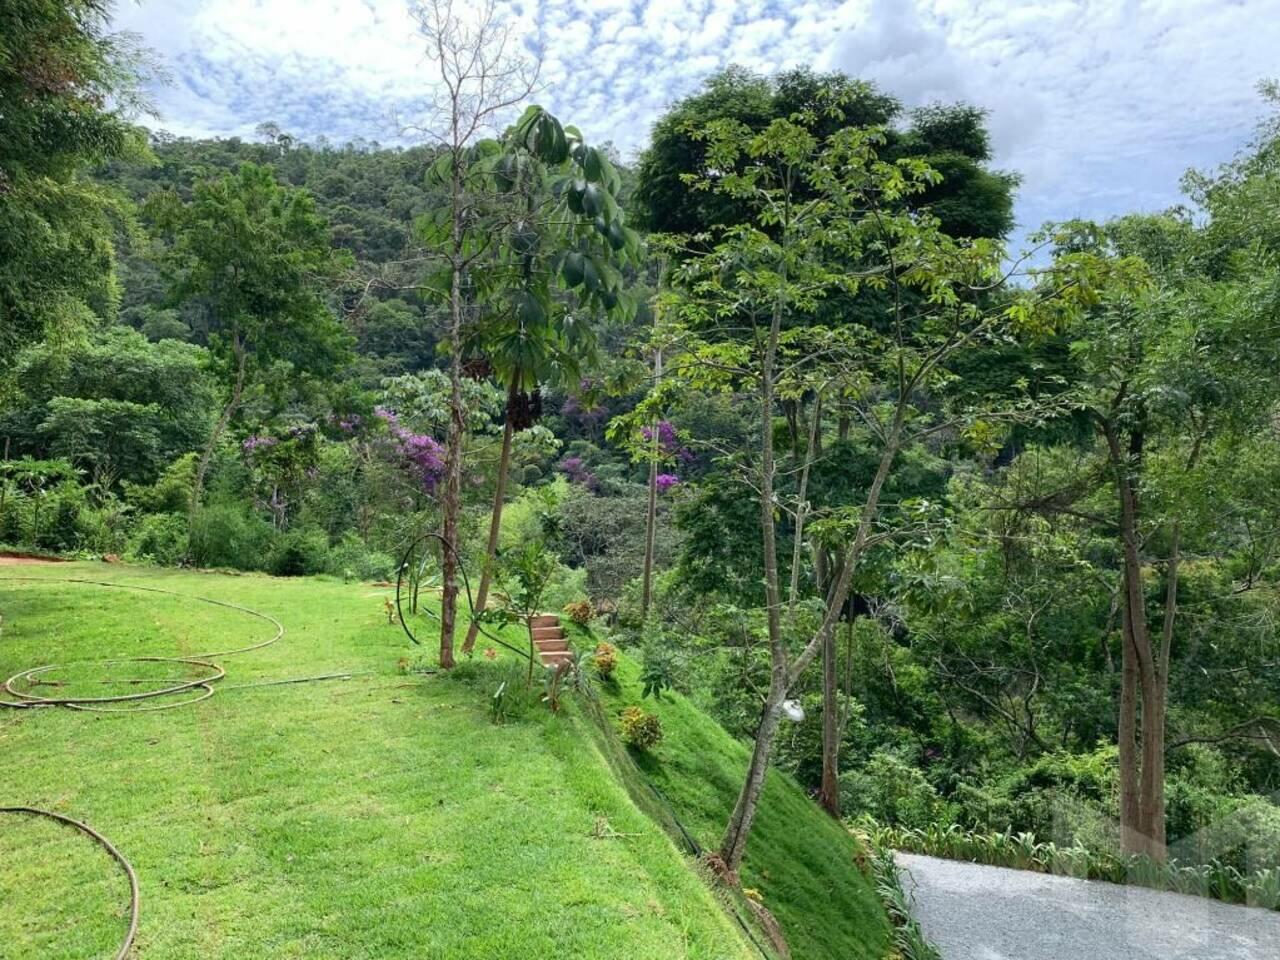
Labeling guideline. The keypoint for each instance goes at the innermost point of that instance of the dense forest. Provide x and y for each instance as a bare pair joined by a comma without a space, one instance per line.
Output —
1002,527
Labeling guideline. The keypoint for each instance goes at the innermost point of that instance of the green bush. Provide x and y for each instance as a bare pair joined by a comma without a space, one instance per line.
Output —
58,520
171,493
299,553
893,792
159,538
15,516
352,560
104,528
225,535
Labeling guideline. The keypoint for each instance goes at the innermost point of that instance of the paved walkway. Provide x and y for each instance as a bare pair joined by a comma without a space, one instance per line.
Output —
974,912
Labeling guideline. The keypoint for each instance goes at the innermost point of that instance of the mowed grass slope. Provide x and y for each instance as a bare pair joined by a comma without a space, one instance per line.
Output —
802,862
379,817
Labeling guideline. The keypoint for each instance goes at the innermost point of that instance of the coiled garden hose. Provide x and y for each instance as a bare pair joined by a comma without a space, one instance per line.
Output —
203,684
135,899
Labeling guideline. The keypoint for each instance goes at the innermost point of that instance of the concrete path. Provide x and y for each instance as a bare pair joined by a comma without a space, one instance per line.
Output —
974,912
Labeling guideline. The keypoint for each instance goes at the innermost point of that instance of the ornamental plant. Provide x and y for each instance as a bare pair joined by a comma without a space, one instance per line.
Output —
606,659
641,730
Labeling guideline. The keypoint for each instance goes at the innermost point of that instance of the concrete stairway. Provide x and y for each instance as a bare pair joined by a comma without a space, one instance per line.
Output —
553,648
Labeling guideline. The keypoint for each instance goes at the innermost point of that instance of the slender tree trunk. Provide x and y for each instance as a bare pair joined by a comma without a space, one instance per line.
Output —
219,428
829,793
802,509
4,487
451,498
815,431
495,524
1130,837
651,513
734,843
1142,808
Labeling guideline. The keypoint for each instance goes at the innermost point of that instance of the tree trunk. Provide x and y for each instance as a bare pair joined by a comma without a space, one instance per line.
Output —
829,793
495,525
651,513
224,419
734,844
1142,808
1130,837
802,510
451,498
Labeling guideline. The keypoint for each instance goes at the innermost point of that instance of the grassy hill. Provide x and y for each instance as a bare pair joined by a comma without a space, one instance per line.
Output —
800,861
382,816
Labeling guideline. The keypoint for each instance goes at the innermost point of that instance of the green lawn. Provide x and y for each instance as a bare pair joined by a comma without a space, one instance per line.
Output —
382,817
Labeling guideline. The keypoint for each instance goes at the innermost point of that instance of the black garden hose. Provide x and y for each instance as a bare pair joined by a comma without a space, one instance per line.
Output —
134,897
405,564
203,684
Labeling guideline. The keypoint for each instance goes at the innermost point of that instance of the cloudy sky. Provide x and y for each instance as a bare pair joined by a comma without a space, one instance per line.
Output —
1099,104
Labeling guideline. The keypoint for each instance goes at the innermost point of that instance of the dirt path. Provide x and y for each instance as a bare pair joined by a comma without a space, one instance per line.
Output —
975,912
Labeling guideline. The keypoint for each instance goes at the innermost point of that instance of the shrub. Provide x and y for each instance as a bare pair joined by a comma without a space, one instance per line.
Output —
300,553
606,659
580,612
102,529
566,584
171,493
893,792
60,518
351,559
14,514
224,535
641,730
158,538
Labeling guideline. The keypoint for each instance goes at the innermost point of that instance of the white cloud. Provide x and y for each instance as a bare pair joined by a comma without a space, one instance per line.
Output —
1100,104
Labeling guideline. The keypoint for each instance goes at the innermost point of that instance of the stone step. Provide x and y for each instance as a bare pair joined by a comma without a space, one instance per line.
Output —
544,620
552,658
552,644
547,633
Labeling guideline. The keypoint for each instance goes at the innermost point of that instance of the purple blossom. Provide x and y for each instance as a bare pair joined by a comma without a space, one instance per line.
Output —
665,481
253,443
422,455
577,472
668,440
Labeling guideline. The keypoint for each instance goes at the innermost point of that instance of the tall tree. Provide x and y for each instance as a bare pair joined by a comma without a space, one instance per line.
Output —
828,218
68,87
481,81
545,282
519,216
1170,369
971,199
252,257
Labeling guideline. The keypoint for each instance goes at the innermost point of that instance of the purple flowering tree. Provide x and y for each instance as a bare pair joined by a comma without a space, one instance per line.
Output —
420,455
